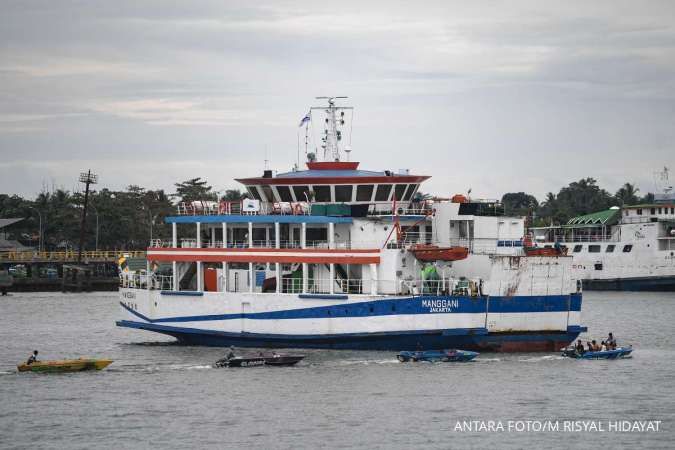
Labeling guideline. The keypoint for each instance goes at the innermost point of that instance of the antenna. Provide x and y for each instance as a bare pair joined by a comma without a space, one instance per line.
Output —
331,141
267,156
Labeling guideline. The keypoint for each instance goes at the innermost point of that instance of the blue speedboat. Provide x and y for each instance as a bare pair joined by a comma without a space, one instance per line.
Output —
437,355
619,352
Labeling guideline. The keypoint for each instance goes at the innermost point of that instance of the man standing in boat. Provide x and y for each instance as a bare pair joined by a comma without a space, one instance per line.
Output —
580,348
32,358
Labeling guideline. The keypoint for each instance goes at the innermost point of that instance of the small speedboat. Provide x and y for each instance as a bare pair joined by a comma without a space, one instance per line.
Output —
619,352
437,355
260,360
65,365
240,361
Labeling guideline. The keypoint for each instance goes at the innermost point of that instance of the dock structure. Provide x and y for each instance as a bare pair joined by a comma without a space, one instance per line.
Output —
60,271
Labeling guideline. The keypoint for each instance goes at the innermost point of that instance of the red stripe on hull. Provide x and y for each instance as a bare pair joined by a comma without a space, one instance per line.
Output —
265,259
158,250
262,255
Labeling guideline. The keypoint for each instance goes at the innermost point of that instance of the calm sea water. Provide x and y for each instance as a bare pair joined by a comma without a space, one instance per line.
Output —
161,394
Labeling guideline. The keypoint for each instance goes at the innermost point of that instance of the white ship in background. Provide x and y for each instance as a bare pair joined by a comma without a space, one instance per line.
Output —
631,248
338,257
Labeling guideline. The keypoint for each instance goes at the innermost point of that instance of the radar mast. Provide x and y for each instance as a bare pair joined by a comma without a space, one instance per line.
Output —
334,125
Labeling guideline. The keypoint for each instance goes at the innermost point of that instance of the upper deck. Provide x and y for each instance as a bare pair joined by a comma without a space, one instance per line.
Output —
336,183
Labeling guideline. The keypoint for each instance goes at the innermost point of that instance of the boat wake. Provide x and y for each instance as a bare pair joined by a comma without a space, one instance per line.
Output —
363,362
541,358
159,368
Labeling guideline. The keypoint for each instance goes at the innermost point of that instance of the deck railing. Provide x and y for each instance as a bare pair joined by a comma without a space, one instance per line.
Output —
192,243
402,212
135,280
244,207
436,285
563,239
323,286
440,286
256,207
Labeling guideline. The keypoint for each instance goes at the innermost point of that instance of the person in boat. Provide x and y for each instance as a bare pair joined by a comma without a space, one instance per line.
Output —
611,342
590,346
596,347
580,347
603,347
32,358
231,354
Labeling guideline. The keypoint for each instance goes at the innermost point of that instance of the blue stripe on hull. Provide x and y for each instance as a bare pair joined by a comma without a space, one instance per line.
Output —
468,339
398,306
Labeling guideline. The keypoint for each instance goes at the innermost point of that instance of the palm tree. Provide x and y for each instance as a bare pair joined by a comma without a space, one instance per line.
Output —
420,197
627,194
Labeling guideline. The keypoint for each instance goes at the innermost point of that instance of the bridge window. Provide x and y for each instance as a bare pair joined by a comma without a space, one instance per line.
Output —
267,192
593,249
284,193
343,193
399,191
321,193
639,211
253,190
364,192
382,193
610,248
672,210
659,210
299,192
409,193
627,248
653,210
577,248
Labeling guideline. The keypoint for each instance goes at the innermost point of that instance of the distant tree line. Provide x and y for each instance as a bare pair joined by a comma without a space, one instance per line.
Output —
578,198
127,219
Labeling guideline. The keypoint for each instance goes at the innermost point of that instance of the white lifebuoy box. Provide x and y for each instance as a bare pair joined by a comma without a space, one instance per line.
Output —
250,205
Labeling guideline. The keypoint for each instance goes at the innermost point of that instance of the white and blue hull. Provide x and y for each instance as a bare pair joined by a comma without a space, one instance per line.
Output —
516,323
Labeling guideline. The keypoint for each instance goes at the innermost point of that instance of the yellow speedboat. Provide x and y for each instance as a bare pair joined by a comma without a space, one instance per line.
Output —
65,365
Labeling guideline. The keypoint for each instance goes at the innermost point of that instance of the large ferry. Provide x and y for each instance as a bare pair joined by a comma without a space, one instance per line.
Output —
631,248
333,256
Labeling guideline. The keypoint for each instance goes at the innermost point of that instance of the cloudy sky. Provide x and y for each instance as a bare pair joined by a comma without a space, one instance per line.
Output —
493,96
